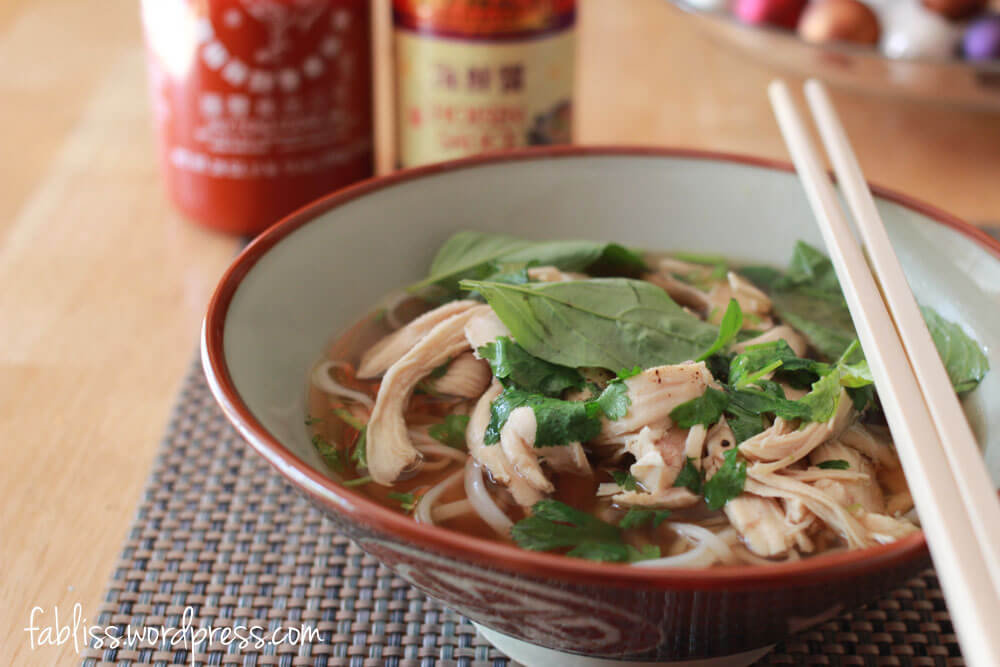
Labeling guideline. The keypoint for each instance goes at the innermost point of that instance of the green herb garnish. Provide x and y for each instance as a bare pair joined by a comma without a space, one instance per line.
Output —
636,517
407,501
727,482
451,431
732,322
834,464
625,480
705,409
330,454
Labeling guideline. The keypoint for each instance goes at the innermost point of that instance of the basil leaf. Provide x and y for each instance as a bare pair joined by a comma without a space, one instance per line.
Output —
705,409
732,322
610,323
727,482
559,422
962,357
810,267
470,254
834,464
822,318
511,362
451,431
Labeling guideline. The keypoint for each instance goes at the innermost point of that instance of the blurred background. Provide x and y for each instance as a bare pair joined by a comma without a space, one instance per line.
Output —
103,282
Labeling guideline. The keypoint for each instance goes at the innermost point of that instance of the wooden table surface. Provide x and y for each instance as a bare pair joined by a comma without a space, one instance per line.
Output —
103,286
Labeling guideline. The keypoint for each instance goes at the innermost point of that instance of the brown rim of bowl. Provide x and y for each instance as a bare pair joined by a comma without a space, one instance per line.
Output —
361,509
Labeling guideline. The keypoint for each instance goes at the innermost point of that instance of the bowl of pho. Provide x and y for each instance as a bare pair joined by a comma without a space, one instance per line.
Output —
607,403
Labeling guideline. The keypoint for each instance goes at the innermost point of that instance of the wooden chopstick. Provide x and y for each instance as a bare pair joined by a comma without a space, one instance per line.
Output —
961,566
978,491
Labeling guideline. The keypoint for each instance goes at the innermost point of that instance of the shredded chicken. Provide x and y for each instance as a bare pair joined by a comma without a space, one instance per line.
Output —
492,457
659,457
517,439
864,492
571,458
484,328
756,306
761,523
550,274
673,498
383,354
783,332
678,290
390,451
786,442
465,376
878,450
654,393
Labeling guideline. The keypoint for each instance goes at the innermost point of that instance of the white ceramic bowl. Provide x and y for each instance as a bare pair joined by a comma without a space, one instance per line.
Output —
312,275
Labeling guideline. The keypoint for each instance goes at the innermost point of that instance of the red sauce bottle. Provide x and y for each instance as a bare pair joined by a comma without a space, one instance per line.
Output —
260,105
476,76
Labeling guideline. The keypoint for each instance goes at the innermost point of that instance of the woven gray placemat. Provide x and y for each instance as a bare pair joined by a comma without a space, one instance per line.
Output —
219,534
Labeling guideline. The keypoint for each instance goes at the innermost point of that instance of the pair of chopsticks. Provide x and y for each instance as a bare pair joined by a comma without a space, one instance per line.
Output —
955,498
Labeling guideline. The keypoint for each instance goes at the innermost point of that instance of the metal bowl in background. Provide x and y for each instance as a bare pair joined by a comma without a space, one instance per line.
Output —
951,81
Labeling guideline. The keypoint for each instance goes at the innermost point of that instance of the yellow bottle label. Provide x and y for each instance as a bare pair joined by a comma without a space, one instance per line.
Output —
459,97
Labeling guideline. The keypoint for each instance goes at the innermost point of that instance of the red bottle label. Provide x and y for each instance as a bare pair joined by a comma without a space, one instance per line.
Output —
261,105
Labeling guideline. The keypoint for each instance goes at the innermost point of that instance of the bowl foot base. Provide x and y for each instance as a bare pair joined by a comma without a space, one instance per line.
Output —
532,655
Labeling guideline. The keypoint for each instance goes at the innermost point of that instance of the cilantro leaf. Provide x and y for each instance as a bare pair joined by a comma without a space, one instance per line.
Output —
627,373
330,454
636,517
690,477
727,482
512,364
732,322
407,501
614,401
559,422
705,409
359,481
555,525
743,423
625,480
834,464
451,431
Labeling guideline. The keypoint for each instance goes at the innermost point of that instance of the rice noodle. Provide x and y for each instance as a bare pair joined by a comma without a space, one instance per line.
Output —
424,511
451,510
714,541
709,548
322,380
482,502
